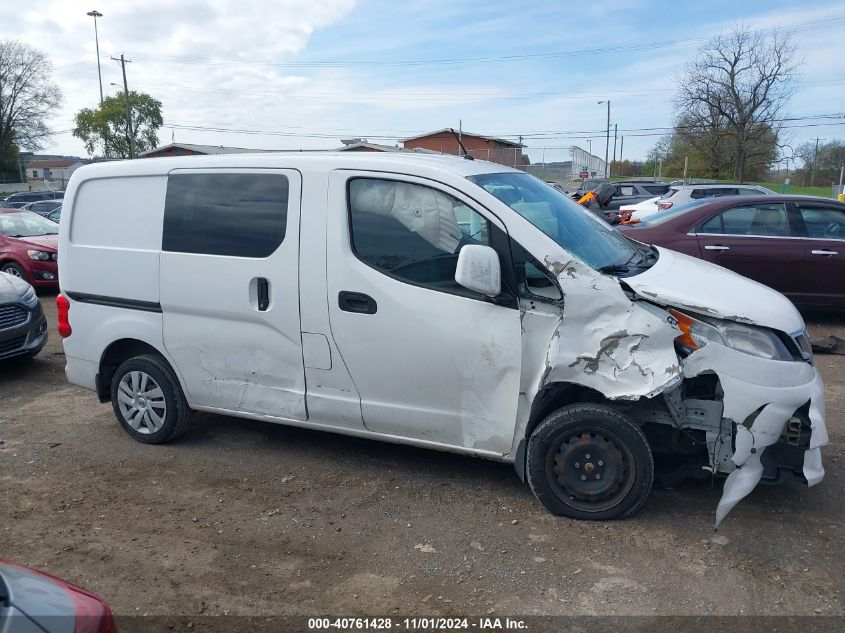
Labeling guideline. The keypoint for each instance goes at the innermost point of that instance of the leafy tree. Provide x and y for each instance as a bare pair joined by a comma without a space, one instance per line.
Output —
27,99
105,129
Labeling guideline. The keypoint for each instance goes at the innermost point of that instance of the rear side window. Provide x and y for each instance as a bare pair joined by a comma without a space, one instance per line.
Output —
657,190
239,215
627,190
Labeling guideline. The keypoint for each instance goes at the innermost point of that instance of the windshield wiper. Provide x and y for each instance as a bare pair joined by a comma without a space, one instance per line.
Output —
614,268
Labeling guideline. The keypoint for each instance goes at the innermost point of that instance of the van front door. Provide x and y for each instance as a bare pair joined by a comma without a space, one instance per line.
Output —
229,290
432,361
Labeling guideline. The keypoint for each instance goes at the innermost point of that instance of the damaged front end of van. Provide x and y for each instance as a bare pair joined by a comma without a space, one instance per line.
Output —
701,358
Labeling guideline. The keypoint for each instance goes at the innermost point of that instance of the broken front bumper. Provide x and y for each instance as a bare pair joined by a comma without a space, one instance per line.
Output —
761,397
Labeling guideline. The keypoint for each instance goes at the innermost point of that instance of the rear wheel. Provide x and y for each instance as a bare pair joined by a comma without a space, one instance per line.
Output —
148,401
588,461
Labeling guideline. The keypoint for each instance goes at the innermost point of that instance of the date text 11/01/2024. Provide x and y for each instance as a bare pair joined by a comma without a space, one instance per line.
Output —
417,624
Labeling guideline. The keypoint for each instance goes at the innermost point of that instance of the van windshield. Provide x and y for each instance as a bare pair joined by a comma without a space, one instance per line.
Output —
574,228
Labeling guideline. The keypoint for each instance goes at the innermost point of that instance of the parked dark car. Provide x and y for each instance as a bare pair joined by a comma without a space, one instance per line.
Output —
32,601
634,191
794,244
42,207
23,328
17,200
29,247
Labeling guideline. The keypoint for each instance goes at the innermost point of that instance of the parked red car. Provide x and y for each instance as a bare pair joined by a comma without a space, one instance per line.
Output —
31,600
29,246
794,244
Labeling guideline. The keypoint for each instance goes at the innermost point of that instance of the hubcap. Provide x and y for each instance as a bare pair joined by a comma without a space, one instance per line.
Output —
590,469
14,272
141,402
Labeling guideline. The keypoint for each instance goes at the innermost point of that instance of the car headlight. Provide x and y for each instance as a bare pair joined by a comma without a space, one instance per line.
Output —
696,332
29,297
41,256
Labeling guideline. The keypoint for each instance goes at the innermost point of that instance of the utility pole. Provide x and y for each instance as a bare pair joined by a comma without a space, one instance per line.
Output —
96,14
615,129
607,141
813,166
129,135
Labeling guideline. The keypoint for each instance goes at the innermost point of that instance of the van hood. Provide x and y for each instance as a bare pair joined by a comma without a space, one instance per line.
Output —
698,286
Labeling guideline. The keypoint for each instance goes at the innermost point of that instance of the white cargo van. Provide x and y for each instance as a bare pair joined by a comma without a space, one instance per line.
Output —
435,301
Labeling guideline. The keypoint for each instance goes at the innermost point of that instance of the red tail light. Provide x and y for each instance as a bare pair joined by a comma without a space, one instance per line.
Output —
664,205
92,614
63,306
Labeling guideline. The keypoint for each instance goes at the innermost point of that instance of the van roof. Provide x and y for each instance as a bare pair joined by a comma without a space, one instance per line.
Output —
414,163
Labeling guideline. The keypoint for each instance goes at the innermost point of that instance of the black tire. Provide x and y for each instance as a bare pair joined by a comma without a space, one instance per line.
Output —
176,414
14,269
589,461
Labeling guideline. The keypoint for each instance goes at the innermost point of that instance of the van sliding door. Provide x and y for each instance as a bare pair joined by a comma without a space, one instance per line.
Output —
229,291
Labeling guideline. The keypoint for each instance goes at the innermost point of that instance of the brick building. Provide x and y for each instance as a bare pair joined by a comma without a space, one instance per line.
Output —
496,150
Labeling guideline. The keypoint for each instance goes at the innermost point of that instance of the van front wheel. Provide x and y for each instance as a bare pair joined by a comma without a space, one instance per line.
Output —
589,461
148,401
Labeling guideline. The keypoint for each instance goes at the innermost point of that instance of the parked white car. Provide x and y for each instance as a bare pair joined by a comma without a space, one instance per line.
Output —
679,195
683,195
429,300
642,209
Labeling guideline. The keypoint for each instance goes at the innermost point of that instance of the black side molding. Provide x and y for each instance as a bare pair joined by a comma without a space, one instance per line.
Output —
115,302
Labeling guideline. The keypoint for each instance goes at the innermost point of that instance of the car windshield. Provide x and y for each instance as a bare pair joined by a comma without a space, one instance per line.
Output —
662,216
574,228
26,224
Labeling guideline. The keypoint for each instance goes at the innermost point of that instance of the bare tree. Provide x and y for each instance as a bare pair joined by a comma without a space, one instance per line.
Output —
28,96
745,79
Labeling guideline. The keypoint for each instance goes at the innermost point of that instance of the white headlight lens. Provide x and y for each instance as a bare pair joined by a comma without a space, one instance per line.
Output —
698,331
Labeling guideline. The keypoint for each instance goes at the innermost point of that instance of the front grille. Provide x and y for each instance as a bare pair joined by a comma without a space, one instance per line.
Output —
12,316
11,346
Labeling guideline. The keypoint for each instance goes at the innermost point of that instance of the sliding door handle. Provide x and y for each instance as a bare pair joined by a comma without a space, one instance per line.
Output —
263,288
356,302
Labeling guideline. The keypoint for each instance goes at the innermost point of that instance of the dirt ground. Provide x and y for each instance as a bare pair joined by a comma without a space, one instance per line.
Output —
247,518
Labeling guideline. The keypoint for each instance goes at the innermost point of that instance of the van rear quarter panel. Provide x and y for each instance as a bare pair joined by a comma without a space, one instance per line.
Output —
114,242
110,245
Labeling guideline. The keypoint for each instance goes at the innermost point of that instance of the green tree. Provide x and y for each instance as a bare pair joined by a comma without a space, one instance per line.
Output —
105,129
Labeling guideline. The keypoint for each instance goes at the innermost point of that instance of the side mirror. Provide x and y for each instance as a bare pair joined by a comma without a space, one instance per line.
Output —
479,270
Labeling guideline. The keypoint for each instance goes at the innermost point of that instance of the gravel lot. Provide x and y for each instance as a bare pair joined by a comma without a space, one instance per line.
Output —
246,518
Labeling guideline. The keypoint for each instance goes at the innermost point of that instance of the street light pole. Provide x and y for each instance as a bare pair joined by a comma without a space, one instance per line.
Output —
96,14
607,141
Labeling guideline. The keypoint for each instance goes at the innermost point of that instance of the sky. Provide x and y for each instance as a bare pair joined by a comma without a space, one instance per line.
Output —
302,74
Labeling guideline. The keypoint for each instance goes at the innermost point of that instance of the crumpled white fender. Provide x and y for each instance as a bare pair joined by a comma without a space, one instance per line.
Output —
788,386
621,348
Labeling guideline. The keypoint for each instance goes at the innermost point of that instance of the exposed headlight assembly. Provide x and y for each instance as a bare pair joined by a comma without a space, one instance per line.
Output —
698,331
